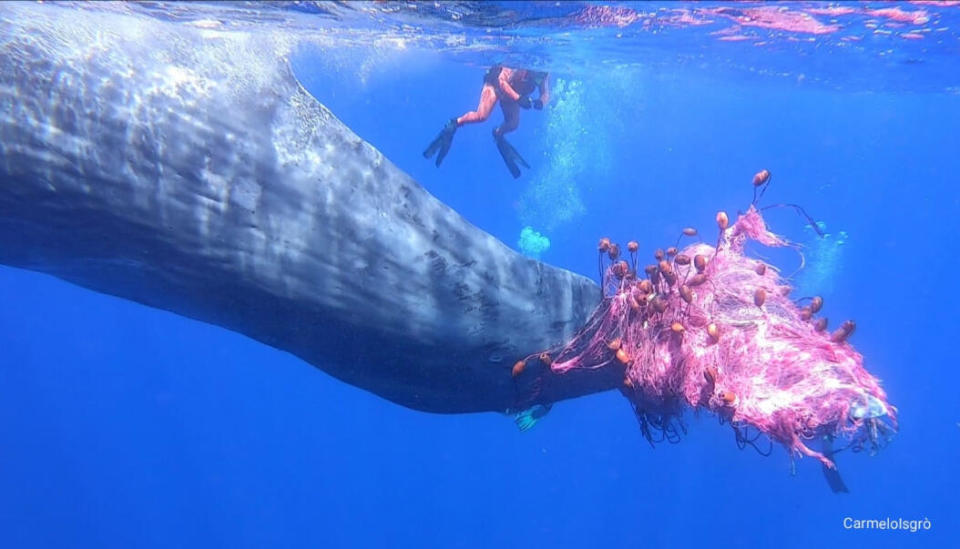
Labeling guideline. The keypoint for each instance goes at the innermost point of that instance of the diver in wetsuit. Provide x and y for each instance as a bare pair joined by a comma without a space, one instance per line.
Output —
512,87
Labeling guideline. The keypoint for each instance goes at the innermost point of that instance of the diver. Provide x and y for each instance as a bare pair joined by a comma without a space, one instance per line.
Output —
512,87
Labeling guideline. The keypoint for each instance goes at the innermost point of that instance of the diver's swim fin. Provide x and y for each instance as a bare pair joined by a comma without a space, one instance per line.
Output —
834,480
510,155
837,486
526,419
441,145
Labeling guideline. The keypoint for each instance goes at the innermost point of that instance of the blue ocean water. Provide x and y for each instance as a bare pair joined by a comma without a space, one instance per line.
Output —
124,426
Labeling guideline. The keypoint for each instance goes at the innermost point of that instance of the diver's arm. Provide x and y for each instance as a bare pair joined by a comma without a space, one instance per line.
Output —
505,84
545,90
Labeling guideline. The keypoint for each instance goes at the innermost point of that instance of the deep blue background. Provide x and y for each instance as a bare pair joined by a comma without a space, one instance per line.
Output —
122,426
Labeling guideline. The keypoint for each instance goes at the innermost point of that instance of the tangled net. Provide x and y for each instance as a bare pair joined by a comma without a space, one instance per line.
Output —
712,329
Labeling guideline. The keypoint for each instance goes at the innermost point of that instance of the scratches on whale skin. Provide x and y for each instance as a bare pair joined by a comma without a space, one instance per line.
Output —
438,265
462,291
489,308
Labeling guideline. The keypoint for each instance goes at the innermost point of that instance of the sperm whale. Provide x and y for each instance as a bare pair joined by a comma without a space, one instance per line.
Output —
186,169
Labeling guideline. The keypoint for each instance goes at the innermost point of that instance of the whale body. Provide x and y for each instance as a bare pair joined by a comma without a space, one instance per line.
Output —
186,169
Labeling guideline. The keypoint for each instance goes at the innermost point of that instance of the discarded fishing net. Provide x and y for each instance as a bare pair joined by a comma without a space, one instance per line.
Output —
712,329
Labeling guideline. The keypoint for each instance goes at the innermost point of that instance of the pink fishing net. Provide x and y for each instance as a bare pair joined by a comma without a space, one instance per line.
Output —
712,329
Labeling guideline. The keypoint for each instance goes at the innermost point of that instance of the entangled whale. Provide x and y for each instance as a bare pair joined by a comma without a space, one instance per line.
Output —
185,168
